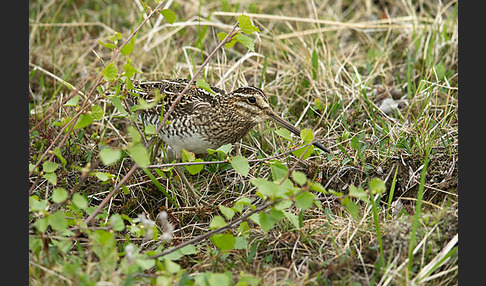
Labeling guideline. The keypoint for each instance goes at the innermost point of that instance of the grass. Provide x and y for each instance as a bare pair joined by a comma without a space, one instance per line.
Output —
326,66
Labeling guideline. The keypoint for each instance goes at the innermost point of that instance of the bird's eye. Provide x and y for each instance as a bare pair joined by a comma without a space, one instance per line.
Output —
251,99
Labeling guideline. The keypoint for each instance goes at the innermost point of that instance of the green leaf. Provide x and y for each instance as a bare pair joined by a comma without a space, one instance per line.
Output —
41,224
36,205
169,15
117,36
355,143
73,101
58,154
298,153
241,203
284,133
97,112
195,169
129,71
265,188
118,104
188,156
224,241
335,193
139,154
224,149
279,170
217,222
145,263
171,266
268,221
107,45
109,156
440,71
128,47
128,82
116,222
240,243
229,44
149,129
246,25
345,135
351,207
292,218
358,193
58,221
377,186
204,85
246,41
59,195
210,278
51,177
103,176
189,249
83,121
227,212
304,200
110,72
299,177
248,280
79,201
315,186
306,135
283,205
240,164
244,229
63,245
133,132
49,166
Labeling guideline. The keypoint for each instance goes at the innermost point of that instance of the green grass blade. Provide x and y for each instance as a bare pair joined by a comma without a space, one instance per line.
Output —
159,186
418,211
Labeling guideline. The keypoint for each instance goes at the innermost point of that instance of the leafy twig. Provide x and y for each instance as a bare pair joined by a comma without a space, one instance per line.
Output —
166,115
227,161
237,221
85,103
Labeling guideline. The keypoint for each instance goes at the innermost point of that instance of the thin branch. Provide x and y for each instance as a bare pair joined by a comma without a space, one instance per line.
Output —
160,166
71,95
214,231
108,197
237,221
135,166
85,103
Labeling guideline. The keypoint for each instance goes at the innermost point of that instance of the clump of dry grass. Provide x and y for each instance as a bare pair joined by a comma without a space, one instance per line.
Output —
326,66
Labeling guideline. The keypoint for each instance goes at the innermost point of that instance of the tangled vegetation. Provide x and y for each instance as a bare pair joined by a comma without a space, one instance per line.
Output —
376,82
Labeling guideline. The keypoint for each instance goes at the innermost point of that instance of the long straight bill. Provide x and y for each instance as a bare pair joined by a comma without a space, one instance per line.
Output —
280,121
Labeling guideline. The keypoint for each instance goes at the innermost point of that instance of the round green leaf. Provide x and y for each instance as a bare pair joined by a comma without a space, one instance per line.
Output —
49,166
109,156
80,201
224,241
59,195
240,164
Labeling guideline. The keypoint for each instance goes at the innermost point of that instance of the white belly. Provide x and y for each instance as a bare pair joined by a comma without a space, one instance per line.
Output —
194,143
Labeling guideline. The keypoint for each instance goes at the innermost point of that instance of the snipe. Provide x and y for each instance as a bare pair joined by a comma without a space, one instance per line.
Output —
203,120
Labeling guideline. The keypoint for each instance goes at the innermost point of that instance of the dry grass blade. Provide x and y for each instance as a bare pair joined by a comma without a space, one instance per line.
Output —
376,81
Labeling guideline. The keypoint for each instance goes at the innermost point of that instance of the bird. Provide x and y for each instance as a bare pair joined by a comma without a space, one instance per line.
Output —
204,118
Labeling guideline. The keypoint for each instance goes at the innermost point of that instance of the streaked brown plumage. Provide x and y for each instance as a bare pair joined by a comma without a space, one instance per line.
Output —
203,120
